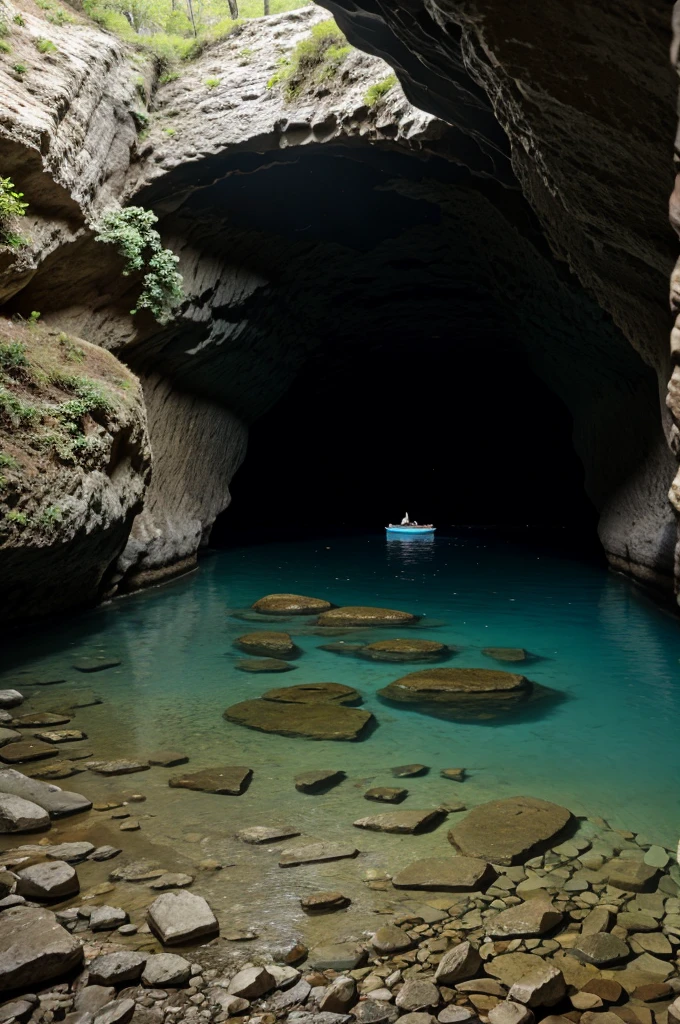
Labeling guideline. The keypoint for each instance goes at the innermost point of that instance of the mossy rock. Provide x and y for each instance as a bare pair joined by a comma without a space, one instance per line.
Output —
314,693
405,650
309,721
360,615
508,654
268,644
465,693
264,665
291,604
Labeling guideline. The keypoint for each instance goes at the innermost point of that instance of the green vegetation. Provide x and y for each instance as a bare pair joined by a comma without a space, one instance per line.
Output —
55,13
4,28
8,461
5,47
141,119
12,355
20,518
376,92
313,61
14,409
20,69
211,83
45,45
71,350
50,517
19,19
170,131
131,231
11,207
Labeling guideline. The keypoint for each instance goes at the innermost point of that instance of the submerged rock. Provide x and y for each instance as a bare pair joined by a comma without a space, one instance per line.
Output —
386,794
167,758
509,831
25,751
406,771
505,653
319,781
401,821
405,650
34,948
41,718
312,721
258,834
264,665
230,780
56,770
360,615
278,645
449,874
96,663
119,767
459,692
291,604
314,693
312,853
61,736
324,901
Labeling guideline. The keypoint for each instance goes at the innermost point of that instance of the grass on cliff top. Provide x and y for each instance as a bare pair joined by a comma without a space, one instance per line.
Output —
57,396
313,60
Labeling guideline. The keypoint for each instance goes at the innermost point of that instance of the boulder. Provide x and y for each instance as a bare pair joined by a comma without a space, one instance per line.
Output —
311,721
251,983
459,963
460,692
268,644
505,653
417,994
448,874
339,996
631,875
105,918
18,815
509,831
181,916
313,853
258,834
386,794
264,665
10,699
291,604
34,948
164,969
542,986
404,650
319,781
508,1012
230,780
409,821
314,693
391,939
57,802
359,615
118,1011
117,968
53,880
525,920
25,751
372,1011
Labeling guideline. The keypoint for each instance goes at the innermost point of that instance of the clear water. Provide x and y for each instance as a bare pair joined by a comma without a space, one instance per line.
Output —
609,749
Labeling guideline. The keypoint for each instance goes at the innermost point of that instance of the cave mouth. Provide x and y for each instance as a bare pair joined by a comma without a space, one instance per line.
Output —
449,424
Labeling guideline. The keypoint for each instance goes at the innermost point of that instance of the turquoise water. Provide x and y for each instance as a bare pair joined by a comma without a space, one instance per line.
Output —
608,749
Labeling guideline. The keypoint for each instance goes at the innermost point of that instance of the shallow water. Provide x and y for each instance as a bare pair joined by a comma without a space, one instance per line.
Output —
608,749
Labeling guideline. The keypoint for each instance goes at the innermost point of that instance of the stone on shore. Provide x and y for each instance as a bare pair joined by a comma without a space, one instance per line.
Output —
339,956
230,780
181,916
313,853
417,994
164,969
601,949
167,758
409,821
291,604
172,880
268,644
258,834
360,615
9,736
70,852
368,1011
339,996
61,736
314,693
319,781
49,881
117,968
525,920
391,939
386,794
404,650
311,721
122,766
459,963
10,699
25,751
57,802
34,949
632,875
18,815
264,665
541,986
509,831
104,918
505,653
448,874
118,1011
251,983
508,1012
41,719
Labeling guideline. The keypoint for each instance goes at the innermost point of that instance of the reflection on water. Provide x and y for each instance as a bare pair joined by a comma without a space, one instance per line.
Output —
608,748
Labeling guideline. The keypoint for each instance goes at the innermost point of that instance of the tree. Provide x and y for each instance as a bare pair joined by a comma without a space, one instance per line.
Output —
266,7
233,8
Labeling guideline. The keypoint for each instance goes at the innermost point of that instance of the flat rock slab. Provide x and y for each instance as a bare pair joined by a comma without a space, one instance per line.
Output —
509,831
70,852
56,770
505,653
181,916
167,758
258,834
401,821
49,881
137,871
601,949
360,615
446,874
19,815
39,719
172,880
96,664
61,736
525,920
318,782
314,693
311,721
324,902
9,736
291,604
404,650
57,802
230,780
455,774
268,644
627,874
386,794
10,698
339,956
313,853
264,665
25,751
34,949
408,771
460,693
119,767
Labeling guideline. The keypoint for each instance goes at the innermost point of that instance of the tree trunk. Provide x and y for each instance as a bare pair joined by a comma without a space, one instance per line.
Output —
266,6
233,8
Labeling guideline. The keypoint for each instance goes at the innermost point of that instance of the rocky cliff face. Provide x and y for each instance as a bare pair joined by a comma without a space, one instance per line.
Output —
516,197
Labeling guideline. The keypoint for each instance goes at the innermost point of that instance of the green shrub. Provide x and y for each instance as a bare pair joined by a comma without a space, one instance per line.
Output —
8,461
18,413
45,46
50,517
73,352
131,231
11,206
168,76
141,119
4,27
19,19
211,83
313,60
20,518
12,355
5,47
19,69
170,131
375,93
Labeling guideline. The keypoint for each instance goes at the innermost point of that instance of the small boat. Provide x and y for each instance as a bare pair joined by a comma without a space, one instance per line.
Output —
410,530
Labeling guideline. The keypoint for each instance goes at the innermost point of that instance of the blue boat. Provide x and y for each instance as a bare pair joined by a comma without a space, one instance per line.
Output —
408,529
